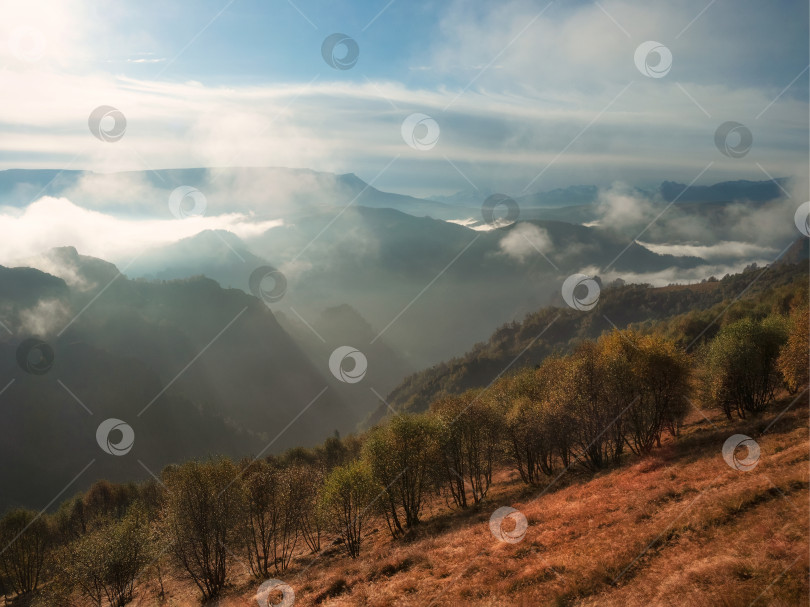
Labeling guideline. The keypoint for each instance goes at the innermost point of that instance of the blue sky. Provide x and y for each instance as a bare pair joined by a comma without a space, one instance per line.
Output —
278,41
526,94
254,41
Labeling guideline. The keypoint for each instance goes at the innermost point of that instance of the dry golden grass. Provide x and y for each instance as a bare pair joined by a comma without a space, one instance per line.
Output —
677,528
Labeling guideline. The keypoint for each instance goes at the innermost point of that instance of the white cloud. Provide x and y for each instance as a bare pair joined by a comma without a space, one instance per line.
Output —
44,318
544,85
524,241
620,208
470,222
680,275
507,139
480,226
721,251
53,222
39,34
59,266
737,230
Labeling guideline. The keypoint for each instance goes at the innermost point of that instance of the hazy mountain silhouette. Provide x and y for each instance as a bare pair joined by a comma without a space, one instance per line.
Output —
754,191
584,195
213,369
280,191
259,188
343,325
378,261
218,254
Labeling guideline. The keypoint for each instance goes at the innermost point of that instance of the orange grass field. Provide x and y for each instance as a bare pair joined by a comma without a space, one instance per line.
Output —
680,527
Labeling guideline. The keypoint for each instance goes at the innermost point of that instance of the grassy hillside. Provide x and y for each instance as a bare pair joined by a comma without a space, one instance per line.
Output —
678,528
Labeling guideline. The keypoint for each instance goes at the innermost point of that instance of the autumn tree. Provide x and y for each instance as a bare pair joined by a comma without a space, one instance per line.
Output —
273,506
527,446
259,479
645,385
306,494
348,501
740,373
666,373
103,564
336,451
70,519
793,361
26,538
402,456
105,500
597,435
536,429
204,503
469,436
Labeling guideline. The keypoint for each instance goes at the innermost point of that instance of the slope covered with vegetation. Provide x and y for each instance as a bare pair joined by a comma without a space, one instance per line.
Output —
693,312
604,474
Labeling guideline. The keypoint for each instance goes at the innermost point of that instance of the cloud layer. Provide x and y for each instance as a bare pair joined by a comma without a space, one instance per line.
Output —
54,222
525,95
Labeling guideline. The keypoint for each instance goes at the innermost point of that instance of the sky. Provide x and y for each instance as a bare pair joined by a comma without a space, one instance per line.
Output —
446,95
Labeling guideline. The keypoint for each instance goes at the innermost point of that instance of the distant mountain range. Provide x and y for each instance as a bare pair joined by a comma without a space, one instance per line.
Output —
407,282
345,242
727,191
278,191
257,189
379,261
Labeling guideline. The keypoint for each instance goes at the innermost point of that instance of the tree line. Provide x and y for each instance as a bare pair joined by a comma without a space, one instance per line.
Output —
618,395
689,313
